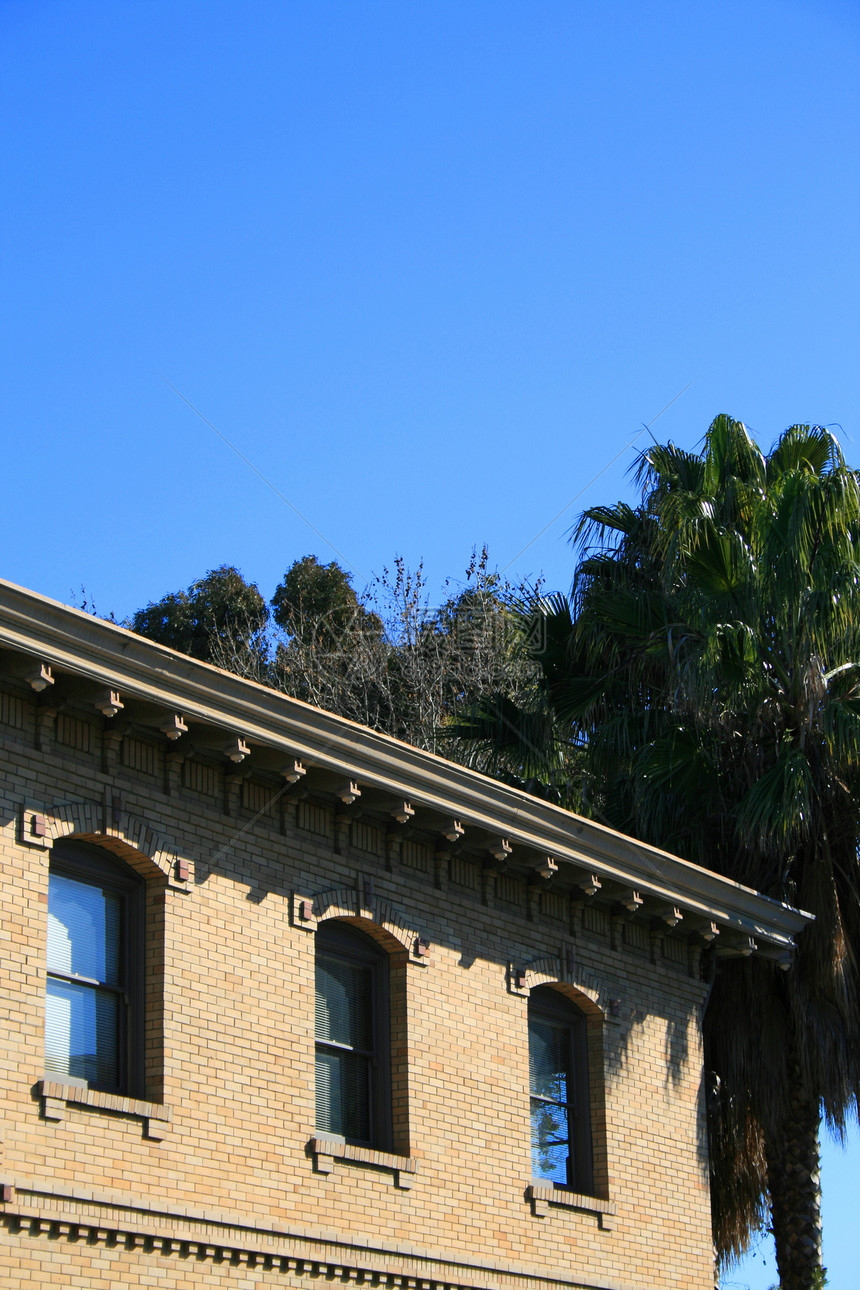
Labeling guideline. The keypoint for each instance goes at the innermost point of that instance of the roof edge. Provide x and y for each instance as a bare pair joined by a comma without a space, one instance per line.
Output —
90,647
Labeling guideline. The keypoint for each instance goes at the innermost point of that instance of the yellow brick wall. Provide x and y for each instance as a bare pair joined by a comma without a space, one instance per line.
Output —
231,1195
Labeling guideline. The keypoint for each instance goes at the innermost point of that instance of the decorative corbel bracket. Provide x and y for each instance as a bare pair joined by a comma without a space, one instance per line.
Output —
173,726
453,831
237,750
109,703
39,678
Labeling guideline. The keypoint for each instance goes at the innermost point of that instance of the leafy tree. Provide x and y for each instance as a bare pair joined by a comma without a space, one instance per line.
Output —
446,658
321,597
389,658
329,637
706,670
221,619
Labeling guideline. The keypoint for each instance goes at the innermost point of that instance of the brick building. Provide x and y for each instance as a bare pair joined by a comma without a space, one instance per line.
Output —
287,1002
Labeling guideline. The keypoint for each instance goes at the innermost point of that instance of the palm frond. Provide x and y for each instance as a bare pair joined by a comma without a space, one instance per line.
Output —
803,447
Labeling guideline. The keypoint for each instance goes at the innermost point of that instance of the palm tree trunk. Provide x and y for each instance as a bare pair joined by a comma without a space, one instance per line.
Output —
795,1195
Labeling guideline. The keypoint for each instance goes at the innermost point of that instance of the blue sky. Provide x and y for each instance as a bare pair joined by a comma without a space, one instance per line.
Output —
429,266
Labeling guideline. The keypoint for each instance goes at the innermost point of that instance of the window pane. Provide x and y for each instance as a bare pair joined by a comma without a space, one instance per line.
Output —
344,1003
549,1049
83,930
549,1079
550,1148
82,1032
343,1103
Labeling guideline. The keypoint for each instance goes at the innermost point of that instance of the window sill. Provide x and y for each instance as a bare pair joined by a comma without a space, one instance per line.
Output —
57,1096
542,1195
327,1150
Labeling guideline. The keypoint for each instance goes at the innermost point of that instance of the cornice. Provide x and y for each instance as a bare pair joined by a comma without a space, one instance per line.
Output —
74,642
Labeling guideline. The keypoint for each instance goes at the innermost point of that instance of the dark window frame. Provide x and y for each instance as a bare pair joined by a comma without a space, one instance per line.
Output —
89,864
346,943
549,1004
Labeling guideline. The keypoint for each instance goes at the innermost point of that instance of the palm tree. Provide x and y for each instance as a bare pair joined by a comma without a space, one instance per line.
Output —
707,669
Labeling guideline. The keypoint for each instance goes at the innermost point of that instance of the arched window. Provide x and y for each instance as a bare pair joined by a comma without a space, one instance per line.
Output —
353,1098
93,1007
558,1087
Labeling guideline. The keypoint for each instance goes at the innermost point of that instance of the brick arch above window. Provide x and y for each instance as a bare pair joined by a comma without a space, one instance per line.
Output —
117,831
367,911
582,987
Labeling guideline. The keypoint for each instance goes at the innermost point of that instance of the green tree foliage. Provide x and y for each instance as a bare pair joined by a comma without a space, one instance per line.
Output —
388,658
320,596
220,606
707,668
329,639
446,658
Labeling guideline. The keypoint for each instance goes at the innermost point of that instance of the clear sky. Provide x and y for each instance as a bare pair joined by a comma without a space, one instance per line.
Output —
428,265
